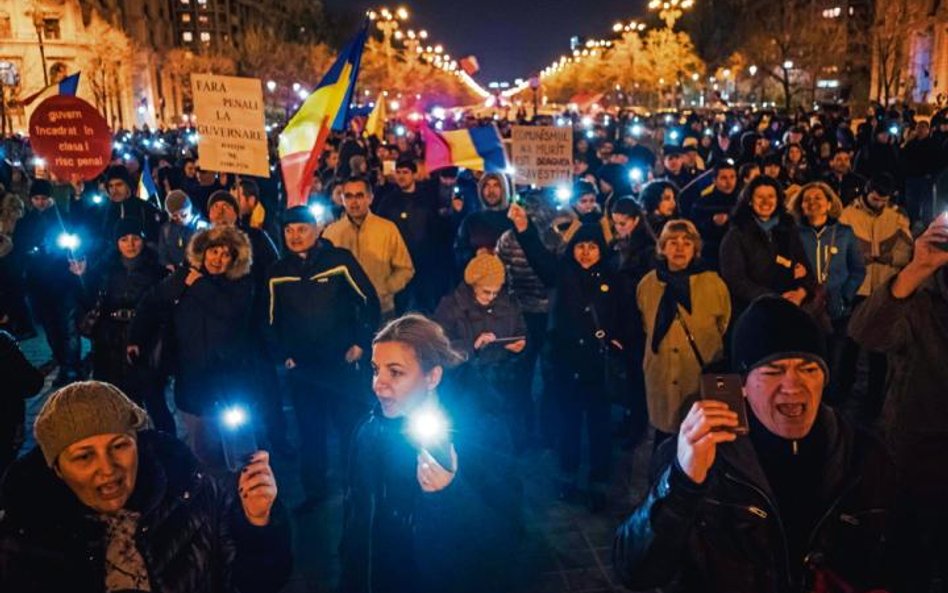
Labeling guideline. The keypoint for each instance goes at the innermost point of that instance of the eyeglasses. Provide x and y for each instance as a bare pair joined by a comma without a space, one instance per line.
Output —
357,196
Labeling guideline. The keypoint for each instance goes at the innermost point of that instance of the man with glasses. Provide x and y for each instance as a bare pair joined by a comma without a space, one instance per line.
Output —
374,241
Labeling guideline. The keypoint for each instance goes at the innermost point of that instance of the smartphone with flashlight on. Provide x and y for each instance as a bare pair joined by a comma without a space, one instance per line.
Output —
729,389
428,428
237,437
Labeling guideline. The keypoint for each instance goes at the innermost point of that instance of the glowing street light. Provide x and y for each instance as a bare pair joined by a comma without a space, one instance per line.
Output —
670,10
788,65
271,85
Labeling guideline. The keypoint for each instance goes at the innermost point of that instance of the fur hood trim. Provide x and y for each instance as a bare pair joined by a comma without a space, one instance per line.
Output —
230,237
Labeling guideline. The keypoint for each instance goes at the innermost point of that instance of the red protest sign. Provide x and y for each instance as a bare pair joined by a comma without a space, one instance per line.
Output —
71,136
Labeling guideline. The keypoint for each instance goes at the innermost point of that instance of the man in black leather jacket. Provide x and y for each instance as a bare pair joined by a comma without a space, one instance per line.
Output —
802,503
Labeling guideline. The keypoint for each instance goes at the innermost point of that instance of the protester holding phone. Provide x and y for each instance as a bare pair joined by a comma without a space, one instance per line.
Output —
103,503
412,523
802,501
484,323
685,309
905,320
45,244
208,305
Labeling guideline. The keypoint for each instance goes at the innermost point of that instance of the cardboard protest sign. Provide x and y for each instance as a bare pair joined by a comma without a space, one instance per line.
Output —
542,155
230,124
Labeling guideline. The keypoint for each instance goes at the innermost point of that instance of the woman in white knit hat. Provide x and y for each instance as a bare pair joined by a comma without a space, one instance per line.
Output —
103,503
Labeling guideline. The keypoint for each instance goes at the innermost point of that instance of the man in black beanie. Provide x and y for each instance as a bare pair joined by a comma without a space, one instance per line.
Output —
801,501
123,204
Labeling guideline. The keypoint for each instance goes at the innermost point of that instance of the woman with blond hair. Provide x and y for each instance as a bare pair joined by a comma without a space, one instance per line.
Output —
685,310
837,264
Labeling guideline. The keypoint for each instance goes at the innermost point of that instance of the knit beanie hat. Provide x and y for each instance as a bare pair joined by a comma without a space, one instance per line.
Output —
177,200
773,328
41,187
81,410
588,233
128,226
298,214
119,172
485,268
223,195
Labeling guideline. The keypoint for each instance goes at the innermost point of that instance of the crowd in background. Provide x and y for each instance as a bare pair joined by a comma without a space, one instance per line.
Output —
594,305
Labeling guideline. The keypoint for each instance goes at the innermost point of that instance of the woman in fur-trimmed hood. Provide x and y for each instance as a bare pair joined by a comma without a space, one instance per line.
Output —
233,239
208,304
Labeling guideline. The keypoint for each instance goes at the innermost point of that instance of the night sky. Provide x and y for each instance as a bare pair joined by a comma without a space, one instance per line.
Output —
511,38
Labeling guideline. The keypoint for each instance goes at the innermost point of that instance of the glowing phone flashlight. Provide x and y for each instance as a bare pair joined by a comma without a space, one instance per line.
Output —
237,437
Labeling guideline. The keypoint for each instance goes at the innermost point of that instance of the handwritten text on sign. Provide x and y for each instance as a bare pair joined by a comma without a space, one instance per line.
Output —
230,124
72,136
542,155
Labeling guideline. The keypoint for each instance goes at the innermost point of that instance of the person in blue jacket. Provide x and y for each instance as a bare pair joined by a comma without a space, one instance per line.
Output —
837,263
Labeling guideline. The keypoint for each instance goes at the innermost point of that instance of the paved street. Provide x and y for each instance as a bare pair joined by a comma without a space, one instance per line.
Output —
565,549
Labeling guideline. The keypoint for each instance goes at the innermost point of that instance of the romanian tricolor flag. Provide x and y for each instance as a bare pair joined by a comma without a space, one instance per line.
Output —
478,149
146,183
326,109
66,86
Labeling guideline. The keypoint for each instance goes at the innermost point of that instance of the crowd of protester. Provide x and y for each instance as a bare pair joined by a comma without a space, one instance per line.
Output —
791,250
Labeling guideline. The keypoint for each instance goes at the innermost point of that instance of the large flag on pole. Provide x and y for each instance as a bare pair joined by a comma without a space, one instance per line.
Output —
326,109
66,86
478,149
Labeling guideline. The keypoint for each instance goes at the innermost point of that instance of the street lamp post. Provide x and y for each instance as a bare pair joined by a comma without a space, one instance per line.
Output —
670,10
39,22
386,21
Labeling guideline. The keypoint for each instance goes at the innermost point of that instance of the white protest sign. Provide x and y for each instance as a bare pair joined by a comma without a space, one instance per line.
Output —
230,124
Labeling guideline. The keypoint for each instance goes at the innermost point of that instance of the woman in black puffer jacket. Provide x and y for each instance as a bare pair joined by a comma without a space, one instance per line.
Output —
209,305
105,505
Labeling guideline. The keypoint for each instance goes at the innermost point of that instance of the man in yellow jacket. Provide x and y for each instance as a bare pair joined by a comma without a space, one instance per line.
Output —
374,241
882,232
885,241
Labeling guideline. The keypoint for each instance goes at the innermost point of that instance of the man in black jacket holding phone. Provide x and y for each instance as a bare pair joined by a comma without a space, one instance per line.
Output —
800,504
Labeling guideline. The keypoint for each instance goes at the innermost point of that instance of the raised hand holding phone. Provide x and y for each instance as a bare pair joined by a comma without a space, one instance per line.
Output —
930,254
703,429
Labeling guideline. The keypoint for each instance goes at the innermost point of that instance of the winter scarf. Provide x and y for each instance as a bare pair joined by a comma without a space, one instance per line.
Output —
677,292
768,225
